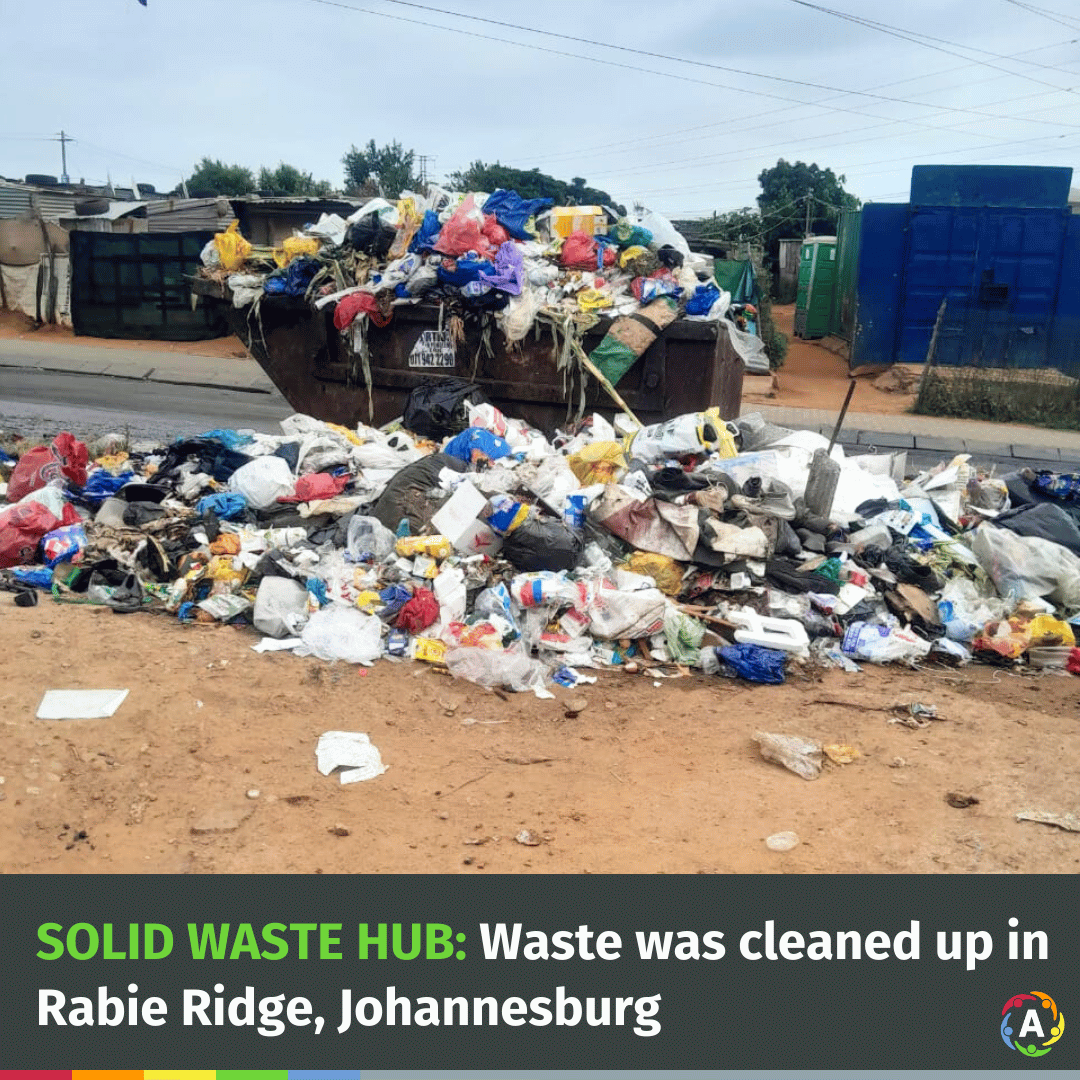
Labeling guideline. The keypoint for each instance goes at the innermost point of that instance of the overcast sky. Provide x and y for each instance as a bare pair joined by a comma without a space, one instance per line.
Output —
147,91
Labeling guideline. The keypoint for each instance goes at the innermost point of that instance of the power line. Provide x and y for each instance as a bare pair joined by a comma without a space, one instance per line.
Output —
652,71
603,148
1044,13
906,35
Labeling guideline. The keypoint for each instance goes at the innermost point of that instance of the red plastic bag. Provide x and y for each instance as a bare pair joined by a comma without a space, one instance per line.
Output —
66,457
317,486
464,233
356,304
22,528
579,252
494,231
418,613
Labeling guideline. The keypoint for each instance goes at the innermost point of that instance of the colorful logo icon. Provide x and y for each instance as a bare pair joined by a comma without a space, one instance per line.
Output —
1031,1023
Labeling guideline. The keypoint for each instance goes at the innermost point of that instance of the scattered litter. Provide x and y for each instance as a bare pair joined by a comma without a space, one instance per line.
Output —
915,715
782,841
960,800
80,704
1068,822
840,753
352,752
801,756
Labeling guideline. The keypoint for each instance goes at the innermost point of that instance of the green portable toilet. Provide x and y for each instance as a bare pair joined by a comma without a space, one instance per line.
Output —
817,283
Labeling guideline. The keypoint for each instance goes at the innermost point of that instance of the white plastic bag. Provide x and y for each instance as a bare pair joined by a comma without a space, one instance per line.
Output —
1026,567
344,633
800,755
615,614
883,644
280,607
490,667
263,481
368,536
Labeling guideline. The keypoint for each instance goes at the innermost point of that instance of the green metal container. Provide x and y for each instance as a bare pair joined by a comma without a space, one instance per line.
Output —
817,286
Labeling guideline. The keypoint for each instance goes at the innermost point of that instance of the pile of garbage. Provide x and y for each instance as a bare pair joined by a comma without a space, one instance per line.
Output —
460,537
497,257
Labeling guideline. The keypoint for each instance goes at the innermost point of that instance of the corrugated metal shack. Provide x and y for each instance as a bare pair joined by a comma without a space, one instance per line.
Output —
269,222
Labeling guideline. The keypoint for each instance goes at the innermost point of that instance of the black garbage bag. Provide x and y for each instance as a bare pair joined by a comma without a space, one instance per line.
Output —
406,494
543,544
371,235
786,574
1046,520
438,407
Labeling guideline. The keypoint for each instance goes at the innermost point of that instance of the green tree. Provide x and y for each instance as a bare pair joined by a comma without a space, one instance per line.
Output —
211,178
530,184
785,190
288,180
389,167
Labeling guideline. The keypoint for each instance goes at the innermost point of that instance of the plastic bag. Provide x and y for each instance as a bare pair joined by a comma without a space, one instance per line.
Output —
233,250
755,663
281,607
602,462
263,481
464,232
543,544
65,456
800,755
1025,567
427,236
372,235
418,612
338,632
23,526
492,667
368,537
582,252
439,407
665,571
882,644
683,636
66,544
693,433
474,444
664,234
294,279
614,613
293,246
509,272
513,212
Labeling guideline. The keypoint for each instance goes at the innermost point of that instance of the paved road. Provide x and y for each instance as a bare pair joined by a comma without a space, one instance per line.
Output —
40,403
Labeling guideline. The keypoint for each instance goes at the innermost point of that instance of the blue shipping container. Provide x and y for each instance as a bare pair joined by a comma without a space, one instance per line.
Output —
998,244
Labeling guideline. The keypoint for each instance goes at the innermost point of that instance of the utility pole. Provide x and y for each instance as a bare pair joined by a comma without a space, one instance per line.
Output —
809,204
422,160
63,139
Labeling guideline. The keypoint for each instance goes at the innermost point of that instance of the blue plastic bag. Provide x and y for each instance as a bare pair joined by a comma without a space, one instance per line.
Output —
395,597
226,506
232,439
512,211
65,544
427,236
472,439
703,299
754,663
101,484
33,575
465,270
294,279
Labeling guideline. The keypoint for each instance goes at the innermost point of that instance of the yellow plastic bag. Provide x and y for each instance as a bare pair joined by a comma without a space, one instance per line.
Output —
1046,630
631,253
409,221
663,569
232,248
593,300
598,463
294,246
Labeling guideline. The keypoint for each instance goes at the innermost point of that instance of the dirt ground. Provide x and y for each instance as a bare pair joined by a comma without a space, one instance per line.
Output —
19,327
647,779
815,376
